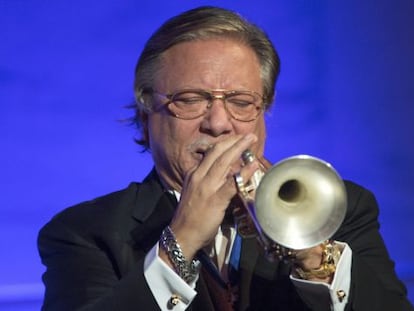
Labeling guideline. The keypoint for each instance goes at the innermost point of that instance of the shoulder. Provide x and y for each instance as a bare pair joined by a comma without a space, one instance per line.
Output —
105,211
360,198
361,215
355,189
118,211
108,204
116,208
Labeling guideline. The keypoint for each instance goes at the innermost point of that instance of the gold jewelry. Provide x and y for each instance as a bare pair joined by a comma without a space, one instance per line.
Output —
341,295
174,300
330,257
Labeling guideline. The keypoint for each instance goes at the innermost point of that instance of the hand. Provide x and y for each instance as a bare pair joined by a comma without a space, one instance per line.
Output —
207,192
318,263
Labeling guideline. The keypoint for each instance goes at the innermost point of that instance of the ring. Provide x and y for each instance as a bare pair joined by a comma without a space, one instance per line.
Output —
240,184
330,258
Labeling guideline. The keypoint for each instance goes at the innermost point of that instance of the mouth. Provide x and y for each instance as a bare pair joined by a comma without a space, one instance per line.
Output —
200,153
200,148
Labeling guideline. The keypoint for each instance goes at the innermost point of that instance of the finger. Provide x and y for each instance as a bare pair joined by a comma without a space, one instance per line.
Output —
309,258
216,150
225,158
237,181
218,161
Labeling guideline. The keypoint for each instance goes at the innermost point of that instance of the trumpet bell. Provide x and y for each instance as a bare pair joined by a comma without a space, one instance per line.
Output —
300,202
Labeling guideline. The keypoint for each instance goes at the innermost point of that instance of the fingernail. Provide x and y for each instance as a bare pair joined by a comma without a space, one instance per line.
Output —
250,137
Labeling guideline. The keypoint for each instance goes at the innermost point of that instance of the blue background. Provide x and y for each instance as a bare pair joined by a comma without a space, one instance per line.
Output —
345,94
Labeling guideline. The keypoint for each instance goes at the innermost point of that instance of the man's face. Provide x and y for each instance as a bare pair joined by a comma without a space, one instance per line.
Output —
178,145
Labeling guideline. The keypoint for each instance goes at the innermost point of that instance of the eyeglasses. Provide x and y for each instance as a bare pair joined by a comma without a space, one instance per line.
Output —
190,104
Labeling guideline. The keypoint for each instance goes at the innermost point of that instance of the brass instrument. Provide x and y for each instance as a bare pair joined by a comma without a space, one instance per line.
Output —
297,203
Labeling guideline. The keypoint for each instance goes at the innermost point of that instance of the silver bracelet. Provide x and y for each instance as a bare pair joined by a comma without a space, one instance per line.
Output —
188,271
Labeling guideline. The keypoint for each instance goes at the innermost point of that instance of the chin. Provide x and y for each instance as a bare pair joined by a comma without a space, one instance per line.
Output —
190,163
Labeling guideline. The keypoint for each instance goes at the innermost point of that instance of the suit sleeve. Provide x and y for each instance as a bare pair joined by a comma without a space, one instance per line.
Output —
374,284
81,275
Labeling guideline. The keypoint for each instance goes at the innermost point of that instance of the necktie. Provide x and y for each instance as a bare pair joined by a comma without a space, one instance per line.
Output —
220,292
221,279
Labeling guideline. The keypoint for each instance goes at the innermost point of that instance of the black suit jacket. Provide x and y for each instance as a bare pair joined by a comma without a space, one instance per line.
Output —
94,254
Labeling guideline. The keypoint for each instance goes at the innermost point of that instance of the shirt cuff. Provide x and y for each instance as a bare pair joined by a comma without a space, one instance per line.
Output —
335,294
169,290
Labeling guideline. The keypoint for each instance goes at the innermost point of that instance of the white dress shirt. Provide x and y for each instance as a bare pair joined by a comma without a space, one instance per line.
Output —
165,283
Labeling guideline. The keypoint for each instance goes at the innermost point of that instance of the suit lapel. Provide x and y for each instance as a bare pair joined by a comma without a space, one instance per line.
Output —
202,302
248,260
153,211
253,266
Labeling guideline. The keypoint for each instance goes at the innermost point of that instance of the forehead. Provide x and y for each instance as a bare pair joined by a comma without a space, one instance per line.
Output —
212,63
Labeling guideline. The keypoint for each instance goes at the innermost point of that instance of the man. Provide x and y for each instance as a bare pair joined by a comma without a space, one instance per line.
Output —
202,85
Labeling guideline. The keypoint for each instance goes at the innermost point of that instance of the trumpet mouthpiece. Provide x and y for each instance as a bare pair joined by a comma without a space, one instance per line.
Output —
248,156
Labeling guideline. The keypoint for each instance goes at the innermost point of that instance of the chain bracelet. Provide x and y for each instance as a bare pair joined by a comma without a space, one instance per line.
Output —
188,271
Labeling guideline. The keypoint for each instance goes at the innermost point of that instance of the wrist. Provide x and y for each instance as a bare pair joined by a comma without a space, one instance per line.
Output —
172,254
331,254
186,239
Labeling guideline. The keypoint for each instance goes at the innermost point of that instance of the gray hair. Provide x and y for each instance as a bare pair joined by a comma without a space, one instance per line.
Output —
199,24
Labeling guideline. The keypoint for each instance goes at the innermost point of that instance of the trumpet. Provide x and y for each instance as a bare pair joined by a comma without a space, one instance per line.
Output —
297,203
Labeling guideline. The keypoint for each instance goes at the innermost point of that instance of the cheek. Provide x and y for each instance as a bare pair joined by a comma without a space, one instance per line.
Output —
161,138
259,129
261,135
157,131
168,135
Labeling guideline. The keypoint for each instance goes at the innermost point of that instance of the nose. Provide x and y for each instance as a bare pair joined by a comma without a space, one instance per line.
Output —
217,120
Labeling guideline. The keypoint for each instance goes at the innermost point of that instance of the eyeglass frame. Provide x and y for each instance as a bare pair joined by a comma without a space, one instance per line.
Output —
223,96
